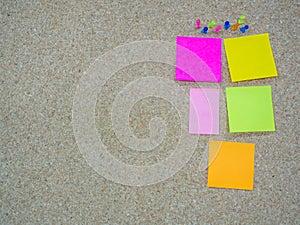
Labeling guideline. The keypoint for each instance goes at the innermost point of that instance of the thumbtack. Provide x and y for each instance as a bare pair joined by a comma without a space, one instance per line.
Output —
235,26
241,20
204,30
217,29
243,29
198,25
211,24
226,25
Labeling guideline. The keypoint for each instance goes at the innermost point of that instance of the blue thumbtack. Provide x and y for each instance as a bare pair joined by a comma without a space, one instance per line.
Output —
204,30
243,29
227,25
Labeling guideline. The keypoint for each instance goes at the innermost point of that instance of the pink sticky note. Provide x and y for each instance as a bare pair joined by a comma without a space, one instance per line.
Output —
199,59
204,111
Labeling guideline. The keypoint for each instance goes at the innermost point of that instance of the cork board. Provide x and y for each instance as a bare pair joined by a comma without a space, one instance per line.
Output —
45,50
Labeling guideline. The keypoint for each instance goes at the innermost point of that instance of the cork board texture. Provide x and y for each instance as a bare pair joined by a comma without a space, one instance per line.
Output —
48,52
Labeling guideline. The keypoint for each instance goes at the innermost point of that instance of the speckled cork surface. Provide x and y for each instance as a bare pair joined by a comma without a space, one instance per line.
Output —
45,48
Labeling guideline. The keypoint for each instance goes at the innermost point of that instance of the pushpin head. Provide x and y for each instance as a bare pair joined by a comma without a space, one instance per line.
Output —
204,30
235,26
243,29
226,25
218,28
241,20
211,24
198,25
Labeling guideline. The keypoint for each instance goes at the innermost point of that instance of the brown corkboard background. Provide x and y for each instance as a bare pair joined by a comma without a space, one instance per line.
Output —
45,47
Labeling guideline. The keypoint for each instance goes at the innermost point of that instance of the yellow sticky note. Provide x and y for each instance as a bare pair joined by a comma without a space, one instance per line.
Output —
231,165
250,57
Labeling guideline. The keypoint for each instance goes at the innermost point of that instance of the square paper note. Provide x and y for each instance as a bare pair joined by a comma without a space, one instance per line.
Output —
204,111
250,109
231,165
250,57
199,59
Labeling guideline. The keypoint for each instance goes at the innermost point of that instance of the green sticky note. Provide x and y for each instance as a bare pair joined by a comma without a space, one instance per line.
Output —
250,109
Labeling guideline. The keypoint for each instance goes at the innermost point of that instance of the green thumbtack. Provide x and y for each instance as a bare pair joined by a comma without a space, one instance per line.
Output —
211,24
241,20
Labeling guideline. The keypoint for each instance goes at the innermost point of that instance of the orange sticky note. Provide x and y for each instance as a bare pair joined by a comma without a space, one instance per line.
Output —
231,165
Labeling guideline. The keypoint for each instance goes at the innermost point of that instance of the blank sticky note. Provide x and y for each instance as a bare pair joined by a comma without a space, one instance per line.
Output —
204,111
199,59
250,57
231,165
250,109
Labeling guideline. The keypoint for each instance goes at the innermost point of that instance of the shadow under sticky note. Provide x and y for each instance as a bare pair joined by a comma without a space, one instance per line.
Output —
204,111
231,165
199,59
250,57
250,109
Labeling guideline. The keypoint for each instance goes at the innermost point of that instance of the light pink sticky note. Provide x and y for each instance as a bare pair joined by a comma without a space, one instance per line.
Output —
204,111
199,59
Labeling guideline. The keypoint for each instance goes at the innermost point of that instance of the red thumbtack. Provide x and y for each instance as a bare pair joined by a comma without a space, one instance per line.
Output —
198,25
217,29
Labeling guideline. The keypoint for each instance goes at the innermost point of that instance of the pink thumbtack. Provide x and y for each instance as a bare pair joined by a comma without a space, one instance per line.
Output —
198,24
218,28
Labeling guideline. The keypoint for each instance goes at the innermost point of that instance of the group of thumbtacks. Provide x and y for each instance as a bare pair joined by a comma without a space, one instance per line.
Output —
226,26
